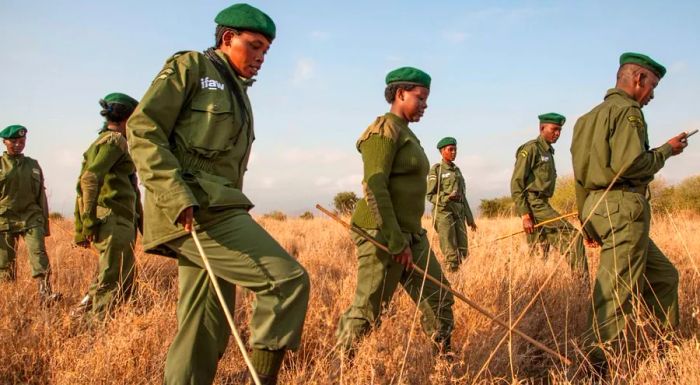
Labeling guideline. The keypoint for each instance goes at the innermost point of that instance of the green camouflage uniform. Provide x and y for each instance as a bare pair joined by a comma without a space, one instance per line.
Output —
395,168
450,215
191,139
24,211
108,208
532,184
609,139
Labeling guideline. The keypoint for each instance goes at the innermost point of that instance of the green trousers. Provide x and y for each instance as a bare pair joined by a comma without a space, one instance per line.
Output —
36,248
631,268
116,270
558,234
378,275
452,232
240,253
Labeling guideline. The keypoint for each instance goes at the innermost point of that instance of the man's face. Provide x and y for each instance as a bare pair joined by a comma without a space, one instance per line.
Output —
15,146
245,51
550,132
645,83
413,103
449,153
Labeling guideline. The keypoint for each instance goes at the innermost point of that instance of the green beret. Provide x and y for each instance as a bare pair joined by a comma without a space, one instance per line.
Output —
552,117
245,17
120,98
644,61
13,131
408,75
446,142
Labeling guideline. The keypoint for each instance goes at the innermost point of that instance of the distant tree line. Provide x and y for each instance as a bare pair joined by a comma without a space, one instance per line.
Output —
682,197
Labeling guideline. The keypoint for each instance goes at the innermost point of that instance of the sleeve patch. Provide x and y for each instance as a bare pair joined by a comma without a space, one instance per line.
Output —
523,153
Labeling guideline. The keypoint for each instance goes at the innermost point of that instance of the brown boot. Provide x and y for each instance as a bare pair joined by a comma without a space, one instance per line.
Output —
46,295
264,380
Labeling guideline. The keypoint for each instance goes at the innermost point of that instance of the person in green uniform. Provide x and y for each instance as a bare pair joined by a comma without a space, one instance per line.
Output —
395,170
532,185
24,211
108,208
610,147
191,138
448,194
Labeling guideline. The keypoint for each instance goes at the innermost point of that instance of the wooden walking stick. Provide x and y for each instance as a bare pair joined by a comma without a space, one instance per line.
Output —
548,221
469,302
229,318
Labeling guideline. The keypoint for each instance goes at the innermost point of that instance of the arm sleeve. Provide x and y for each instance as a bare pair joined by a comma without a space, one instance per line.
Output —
44,204
150,127
139,207
468,211
378,156
628,142
517,183
91,180
432,185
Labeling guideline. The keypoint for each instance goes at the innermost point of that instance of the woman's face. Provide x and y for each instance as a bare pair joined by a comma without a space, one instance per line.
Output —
412,103
246,51
15,146
449,152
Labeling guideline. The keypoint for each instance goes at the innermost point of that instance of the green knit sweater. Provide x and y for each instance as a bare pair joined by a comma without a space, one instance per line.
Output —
395,169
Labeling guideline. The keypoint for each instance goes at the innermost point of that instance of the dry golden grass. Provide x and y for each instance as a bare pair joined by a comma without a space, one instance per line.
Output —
44,346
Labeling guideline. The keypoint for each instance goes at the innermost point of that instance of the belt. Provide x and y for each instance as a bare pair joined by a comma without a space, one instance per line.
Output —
625,187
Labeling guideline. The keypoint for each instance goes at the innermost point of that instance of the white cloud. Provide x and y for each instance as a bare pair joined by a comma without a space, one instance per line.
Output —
322,155
678,67
454,37
320,36
303,71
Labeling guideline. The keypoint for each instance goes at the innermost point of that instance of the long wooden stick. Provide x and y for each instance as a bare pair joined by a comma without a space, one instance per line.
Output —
229,318
466,300
548,221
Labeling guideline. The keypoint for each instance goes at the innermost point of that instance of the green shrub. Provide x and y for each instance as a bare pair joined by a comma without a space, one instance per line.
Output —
276,215
306,215
497,207
345,201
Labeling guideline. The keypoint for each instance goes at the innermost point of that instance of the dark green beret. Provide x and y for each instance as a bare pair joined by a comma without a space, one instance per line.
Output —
408,75
120,98
13,131
552,117
446,142
248,18
644,61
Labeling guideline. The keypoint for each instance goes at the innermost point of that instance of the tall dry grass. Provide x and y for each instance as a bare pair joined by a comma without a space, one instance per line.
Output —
45,346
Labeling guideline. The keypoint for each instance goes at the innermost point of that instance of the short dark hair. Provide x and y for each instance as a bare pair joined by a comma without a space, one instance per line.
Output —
219,34
391,89
115,112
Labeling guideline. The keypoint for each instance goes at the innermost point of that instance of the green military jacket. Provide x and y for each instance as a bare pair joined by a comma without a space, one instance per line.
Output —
23,203
450,180
395,167
611,138
107,184
534,172
190,140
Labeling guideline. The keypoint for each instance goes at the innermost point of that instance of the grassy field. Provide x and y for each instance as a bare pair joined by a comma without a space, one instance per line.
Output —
45,346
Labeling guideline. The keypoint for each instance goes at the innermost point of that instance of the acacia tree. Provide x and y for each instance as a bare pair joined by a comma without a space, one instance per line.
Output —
345,201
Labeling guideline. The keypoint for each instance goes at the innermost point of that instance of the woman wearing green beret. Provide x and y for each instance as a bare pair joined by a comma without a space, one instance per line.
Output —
395,170
108,208
191,137
24,211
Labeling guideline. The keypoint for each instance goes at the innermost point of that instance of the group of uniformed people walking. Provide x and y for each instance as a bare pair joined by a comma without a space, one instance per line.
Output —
189,140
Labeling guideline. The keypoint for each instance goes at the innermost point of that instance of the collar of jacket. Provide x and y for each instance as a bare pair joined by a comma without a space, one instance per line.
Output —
14,157
618,92
546,146
240,81
446,165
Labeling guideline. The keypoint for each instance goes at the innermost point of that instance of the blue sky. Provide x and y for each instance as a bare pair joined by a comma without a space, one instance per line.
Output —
495,65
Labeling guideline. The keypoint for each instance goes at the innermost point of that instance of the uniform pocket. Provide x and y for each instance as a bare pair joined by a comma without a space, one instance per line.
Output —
221,193
633,205
211,128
